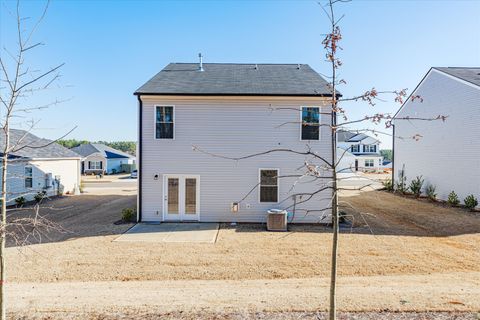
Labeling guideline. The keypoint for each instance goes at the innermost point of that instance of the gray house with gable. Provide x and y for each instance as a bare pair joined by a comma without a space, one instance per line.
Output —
231,110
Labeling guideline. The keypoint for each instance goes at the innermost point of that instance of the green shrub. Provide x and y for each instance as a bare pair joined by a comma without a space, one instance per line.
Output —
453,199
20,201
129,214
416,186
430,190
388,184
401,185
471,202
40,196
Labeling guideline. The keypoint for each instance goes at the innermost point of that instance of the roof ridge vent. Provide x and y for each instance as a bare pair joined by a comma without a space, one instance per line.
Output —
200,67
298,66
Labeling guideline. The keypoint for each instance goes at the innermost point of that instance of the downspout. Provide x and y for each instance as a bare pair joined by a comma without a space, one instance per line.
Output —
393,155
139,160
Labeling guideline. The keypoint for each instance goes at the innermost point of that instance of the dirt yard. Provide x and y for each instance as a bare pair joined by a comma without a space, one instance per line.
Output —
402,254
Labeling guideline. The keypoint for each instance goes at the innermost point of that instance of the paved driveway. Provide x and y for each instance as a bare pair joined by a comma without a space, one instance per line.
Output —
359,181
172,232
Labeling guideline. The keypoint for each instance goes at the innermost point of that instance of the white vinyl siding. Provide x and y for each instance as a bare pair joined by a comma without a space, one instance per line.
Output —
447,154
231,127
67,170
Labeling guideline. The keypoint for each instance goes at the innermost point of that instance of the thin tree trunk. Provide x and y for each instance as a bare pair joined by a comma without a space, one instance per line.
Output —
3,314
333,276
333,121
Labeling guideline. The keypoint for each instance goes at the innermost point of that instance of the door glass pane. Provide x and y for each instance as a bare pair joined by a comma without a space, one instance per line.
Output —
172,196
190,196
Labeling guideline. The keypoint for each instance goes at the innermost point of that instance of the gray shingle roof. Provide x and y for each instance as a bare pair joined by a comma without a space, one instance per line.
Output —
349,136
236,79
344,136
471,75
30,146
87,149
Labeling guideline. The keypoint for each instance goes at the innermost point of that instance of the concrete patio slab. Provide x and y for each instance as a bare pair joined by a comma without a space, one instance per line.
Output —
171,232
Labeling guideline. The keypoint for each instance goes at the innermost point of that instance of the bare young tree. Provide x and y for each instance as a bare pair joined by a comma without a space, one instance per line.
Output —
19,83
325,169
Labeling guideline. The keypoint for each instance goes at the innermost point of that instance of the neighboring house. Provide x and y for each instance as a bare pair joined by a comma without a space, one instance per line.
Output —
445,153
99,158
231,110
358,152
36,165
387,165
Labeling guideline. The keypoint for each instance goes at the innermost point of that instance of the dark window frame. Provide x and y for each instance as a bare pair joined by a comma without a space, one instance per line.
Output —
307,126
264,186
158,124
357,147
367,148
371,163
28,177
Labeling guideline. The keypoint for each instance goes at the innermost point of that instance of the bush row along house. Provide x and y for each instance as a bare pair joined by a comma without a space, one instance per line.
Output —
39,166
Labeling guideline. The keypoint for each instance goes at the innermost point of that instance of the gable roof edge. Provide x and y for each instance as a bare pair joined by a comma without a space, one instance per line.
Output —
468,83
413,92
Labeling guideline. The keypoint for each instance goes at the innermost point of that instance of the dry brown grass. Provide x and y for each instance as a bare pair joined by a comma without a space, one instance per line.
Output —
404,236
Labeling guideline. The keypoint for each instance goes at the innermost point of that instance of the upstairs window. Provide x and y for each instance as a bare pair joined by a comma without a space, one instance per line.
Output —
370,148
268,185
355,148
164,122
28,177
310,123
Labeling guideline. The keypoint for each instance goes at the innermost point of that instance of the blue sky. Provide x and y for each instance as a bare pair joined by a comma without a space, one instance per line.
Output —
112,47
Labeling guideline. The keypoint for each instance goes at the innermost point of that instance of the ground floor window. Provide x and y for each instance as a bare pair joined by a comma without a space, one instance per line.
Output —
28,177
95,165
369,163
268,185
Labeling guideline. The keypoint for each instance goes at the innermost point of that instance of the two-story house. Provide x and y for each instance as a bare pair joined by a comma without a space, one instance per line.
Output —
358,152
231,110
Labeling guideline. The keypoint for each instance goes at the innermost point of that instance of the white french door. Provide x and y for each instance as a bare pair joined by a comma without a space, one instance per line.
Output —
181,197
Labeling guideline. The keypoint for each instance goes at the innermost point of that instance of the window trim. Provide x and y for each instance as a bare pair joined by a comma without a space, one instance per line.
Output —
365,163
25,176
319,122
100,167
155,122
369,146
260,184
